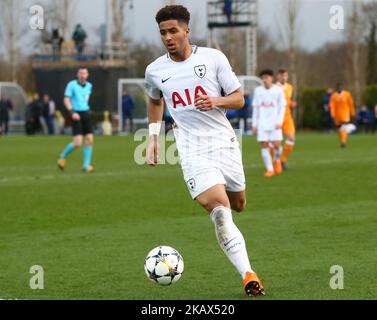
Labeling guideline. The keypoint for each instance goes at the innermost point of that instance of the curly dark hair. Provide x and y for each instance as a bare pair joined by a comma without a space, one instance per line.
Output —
266,72
174,12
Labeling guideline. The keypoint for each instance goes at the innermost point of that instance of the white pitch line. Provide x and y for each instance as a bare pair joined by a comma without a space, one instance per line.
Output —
177,169
82,175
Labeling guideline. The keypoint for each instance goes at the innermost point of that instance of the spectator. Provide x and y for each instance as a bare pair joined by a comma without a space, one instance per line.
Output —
128,106
244,114
28,117
57,41
327,120
228,9
33,115
5,107
48,113
79,36
364,119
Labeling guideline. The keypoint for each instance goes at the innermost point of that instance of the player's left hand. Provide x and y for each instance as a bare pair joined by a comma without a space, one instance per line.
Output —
153,152
293,104
279,126
205,103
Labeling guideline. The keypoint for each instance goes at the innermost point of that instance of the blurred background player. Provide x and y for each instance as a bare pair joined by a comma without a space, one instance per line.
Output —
269,106
342,111
77,95
327,120
190,78
289,130
5,107
128,107
48,112
33,115
364,119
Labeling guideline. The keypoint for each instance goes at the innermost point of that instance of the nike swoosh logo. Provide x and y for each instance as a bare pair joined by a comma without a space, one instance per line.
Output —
163,81
225,244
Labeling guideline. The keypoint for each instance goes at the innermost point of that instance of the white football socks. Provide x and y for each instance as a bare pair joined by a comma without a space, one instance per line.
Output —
266,155
231,240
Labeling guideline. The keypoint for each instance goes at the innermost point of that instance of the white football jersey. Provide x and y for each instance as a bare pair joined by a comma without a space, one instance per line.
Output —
206,72
268,108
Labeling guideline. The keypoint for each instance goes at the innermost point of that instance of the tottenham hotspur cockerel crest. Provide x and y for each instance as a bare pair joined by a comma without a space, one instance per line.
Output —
201,71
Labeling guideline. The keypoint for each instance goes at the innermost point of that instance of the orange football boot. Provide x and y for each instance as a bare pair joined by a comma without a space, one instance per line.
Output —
278,167
269,174
253,286
61,164
89,169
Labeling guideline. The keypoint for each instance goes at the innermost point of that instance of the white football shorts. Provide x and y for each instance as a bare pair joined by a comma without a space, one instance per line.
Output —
202,172
270,135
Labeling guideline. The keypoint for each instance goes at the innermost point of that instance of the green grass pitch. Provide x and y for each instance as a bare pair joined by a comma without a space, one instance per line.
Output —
91,233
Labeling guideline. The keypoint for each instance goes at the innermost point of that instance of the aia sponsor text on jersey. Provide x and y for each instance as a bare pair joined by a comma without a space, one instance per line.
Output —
267,104
187,97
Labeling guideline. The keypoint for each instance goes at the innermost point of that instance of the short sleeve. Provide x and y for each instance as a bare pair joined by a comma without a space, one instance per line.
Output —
151,89
69,90
225,75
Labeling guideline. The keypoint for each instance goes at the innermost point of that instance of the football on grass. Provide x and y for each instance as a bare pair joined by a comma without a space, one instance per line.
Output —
164,265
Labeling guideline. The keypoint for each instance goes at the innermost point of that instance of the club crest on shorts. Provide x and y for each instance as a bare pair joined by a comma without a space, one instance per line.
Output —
200,71
191,184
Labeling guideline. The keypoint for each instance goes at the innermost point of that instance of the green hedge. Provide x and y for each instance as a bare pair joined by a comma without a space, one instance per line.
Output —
370,96
311,100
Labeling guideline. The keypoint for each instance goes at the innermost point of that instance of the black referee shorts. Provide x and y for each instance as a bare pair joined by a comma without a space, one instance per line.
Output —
83,126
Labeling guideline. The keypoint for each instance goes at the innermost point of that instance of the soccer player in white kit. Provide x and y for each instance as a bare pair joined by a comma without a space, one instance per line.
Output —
268,115
197,85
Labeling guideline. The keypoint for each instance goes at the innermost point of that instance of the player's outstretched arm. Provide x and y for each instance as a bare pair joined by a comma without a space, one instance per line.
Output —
155,114
235,100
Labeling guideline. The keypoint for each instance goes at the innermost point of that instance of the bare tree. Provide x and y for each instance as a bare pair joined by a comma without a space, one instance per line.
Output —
230,41
370,11
354,33
292,13
117,26
289,28
142,54
61,13
10,30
